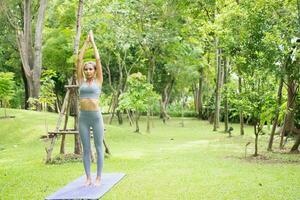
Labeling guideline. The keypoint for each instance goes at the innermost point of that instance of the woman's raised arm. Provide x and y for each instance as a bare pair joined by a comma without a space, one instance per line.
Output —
99,73
80,60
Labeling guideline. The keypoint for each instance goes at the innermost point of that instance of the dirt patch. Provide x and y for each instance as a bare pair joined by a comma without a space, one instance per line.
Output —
66,158
7,117
286,151
266,159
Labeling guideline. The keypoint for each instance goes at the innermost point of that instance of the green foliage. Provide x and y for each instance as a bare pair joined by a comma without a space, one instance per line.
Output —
257,37
7,87
47,96
33,103
58,51
105,100
257,100
171,41
175,110
139,94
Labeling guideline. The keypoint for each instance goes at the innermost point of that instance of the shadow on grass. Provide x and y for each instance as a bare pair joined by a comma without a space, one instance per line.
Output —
269,158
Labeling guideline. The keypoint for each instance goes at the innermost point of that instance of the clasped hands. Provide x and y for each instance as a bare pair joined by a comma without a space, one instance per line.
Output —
90,37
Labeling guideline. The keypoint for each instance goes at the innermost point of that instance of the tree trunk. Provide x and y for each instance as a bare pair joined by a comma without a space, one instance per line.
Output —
152,116
165,100
182,109
78,29
150,80
242,132
120,119
297,142
289,117
200,94
117,94
5,113
256,139
226,118
37,66
295,147
58,103
129,117
77,142
27,30
298,9
218,88
195,95
114,105
279,100
137,116
31,64
148,120
26,104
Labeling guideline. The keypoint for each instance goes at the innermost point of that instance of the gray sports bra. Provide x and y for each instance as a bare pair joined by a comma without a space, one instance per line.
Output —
89,91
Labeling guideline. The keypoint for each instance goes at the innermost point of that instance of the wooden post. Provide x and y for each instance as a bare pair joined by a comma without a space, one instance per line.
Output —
53,139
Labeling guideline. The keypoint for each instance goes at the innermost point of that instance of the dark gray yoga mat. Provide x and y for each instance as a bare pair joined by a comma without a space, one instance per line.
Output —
76,189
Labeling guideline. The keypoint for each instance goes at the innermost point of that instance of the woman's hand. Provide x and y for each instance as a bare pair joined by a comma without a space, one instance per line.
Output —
97,57
88,38
91,36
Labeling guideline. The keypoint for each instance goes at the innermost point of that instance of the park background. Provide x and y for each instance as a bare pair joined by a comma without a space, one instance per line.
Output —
200,98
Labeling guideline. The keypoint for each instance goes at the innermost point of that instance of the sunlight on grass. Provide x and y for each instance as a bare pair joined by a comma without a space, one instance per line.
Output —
172,162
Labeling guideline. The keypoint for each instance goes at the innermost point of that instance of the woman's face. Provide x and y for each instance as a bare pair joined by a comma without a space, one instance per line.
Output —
89,71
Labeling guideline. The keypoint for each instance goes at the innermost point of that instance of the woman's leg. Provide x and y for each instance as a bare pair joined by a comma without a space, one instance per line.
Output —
98,130
84,131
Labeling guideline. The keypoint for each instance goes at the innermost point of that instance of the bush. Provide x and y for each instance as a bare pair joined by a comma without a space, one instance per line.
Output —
174,110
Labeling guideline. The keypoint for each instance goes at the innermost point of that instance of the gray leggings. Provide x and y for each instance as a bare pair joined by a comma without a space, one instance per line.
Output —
92,119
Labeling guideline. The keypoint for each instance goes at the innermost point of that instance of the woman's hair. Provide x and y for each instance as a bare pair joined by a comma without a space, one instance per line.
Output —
90,63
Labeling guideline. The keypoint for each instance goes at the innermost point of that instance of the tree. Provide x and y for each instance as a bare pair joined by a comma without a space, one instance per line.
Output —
257,101
30,54
7,91
47,97
138,97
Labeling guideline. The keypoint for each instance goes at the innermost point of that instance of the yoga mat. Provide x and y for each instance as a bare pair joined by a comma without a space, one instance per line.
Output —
76,189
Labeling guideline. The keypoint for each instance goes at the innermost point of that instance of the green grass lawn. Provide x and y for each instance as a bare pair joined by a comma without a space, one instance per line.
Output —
172,162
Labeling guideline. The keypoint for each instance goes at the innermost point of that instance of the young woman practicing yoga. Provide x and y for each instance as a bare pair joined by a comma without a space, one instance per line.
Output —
90,80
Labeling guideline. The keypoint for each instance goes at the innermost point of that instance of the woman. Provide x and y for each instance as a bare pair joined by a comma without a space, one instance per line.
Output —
90,80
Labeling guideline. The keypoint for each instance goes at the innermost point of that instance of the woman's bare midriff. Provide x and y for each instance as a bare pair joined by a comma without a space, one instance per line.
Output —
89,104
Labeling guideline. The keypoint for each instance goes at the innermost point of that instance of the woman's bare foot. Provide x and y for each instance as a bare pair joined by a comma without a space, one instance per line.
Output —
88,181
98,180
